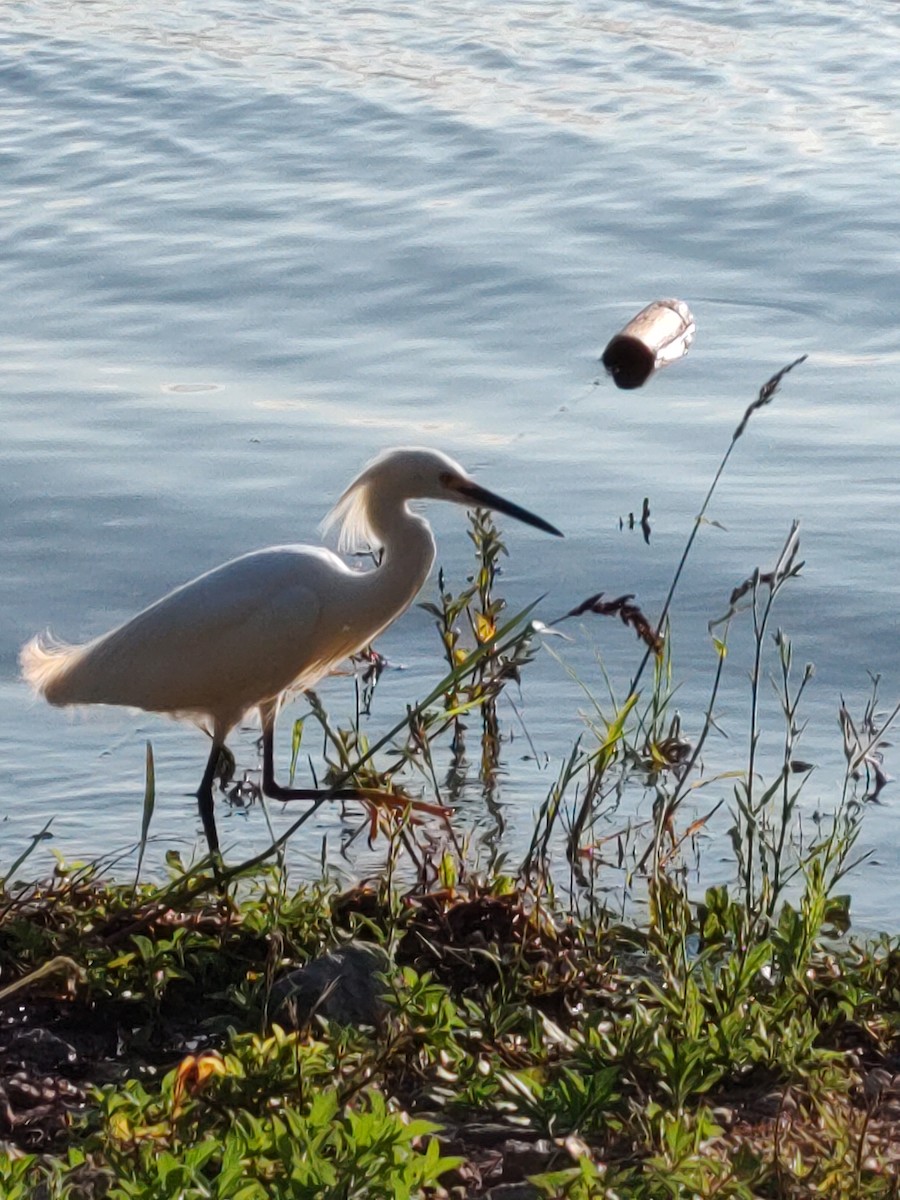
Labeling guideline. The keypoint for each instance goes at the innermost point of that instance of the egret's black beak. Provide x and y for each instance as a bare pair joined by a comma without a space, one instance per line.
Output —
480,497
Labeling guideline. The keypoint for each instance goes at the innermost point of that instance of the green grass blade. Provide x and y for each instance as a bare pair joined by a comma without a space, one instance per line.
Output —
35,838
149,805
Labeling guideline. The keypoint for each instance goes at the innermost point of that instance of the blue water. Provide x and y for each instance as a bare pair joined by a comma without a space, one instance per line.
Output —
241,249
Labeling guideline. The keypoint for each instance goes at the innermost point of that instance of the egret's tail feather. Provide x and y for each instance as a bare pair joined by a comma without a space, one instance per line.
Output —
47,666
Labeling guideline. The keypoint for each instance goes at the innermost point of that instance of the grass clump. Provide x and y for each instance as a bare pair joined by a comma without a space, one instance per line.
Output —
515,1040
495,1031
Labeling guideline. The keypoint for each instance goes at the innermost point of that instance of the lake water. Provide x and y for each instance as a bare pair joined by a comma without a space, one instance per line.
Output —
244,247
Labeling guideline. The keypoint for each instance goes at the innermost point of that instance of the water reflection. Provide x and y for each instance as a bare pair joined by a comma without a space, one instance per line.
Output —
240,248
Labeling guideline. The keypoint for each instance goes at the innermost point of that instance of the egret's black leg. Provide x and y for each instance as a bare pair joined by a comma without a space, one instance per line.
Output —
205,800
275,791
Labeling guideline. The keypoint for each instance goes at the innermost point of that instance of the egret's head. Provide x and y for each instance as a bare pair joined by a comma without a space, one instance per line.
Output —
414,473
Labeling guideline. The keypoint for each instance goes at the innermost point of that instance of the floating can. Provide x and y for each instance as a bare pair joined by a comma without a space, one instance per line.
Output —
659,335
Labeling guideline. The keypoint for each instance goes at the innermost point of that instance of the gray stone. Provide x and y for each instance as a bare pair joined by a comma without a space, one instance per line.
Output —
344,985
522,1159
514,1191
43,1049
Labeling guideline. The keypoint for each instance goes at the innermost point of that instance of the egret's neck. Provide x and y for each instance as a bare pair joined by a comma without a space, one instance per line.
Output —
407,556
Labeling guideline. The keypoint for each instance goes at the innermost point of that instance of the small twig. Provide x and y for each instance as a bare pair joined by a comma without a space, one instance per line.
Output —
621,607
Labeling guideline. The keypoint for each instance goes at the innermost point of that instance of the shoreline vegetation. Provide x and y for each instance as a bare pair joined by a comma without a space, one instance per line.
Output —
480,1031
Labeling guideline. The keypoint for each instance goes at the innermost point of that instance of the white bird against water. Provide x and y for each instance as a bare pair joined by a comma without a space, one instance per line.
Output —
273,621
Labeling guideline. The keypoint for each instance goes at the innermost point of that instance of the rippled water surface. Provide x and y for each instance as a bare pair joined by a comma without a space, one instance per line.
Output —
244,247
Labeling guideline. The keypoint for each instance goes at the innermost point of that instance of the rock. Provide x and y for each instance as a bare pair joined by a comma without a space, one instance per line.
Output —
42,1049
492,1133
344,985
514,1191
875,1083
522,1159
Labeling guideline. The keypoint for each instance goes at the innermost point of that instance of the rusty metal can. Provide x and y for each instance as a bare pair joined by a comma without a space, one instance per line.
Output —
659,335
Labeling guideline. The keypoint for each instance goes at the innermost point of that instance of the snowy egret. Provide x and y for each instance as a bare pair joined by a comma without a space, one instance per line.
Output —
273,621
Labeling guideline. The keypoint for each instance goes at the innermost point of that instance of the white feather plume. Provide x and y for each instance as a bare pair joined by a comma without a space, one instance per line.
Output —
352,513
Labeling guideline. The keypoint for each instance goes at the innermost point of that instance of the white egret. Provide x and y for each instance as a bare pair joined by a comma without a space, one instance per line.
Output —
273,621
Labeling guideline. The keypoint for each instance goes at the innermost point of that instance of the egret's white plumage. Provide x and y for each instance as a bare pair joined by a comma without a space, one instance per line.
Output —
245,633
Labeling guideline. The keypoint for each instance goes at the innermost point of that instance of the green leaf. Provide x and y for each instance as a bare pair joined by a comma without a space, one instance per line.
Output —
149,805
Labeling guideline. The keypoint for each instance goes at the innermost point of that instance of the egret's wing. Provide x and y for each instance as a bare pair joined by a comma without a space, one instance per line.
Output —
216,646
